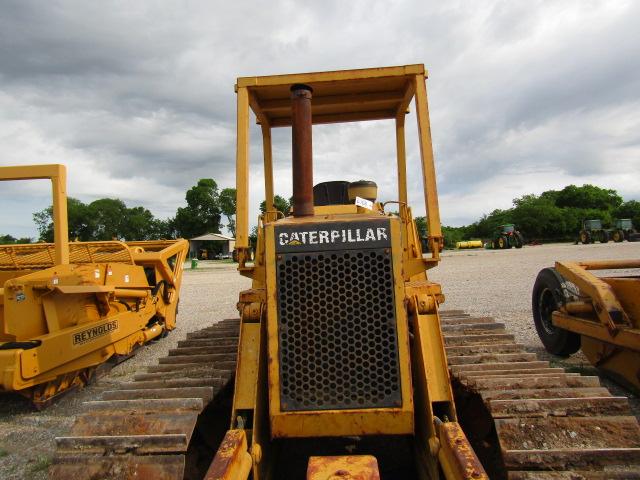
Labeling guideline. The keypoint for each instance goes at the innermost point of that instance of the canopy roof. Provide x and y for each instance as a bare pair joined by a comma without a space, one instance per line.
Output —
339,96
213,237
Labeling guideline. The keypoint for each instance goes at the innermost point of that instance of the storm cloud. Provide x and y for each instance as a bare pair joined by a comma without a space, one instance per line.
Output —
137,99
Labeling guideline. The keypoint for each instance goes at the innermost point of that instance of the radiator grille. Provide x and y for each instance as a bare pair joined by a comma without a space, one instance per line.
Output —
337,331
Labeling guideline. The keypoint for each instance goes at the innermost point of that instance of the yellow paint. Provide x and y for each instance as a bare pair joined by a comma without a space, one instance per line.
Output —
351,95
232,460
247,369
428,164
469,244
457,458
242,171
58,176
345,467
82,312
611,342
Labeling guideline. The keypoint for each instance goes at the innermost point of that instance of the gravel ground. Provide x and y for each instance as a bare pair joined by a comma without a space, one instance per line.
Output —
483,282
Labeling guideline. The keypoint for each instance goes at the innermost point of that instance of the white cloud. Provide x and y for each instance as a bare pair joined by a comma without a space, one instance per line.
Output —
137,98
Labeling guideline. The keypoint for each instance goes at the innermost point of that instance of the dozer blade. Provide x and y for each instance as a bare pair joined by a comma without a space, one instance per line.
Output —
143,430
528,420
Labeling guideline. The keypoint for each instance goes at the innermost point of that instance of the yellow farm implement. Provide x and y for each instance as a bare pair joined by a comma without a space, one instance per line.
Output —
66,309
600,315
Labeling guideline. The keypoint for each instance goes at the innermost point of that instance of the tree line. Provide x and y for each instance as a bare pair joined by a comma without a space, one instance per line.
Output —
554,215
110,218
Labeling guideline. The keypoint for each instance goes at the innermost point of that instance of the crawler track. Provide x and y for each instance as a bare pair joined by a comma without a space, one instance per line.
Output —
147,428
528,420
525,419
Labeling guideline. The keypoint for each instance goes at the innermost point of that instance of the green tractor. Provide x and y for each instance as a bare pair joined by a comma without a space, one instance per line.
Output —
592,230
623,230
506,236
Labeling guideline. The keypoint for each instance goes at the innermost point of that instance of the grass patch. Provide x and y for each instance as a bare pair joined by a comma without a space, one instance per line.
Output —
3,452
41,463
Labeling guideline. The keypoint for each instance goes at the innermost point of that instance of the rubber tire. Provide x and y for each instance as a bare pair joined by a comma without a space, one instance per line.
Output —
503,243
603,236
585,238
617,236
519,240
549,293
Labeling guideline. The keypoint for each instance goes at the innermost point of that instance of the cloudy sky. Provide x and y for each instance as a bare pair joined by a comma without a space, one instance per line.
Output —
137,99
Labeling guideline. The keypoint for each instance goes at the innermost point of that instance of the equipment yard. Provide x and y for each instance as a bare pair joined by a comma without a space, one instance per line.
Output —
495,283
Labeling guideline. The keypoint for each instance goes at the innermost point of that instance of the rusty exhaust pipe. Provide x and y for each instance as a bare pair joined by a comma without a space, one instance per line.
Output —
302,150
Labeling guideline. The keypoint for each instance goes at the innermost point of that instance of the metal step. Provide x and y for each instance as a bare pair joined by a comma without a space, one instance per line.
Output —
466,320
574,407
514,383
498,366
565,459
482,348
474,339
477,328
205,393
491,358
157,467
210,358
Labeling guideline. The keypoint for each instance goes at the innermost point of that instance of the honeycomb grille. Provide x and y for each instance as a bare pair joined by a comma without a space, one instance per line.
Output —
337,331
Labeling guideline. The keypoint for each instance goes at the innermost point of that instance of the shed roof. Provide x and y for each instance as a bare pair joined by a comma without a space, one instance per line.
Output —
213,237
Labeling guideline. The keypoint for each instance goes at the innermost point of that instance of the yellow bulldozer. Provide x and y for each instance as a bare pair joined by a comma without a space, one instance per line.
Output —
71,310
342,365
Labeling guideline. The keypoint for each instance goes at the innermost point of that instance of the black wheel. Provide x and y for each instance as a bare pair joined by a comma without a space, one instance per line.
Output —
550,292
493,245
519,240
628,234
503,242
603,236
617,236
585,237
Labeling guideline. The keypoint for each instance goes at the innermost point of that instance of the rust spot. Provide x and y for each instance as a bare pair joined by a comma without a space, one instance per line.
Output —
460,452
227,453
351,467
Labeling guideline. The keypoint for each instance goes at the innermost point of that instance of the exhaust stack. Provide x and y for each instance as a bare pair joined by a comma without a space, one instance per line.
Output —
302,150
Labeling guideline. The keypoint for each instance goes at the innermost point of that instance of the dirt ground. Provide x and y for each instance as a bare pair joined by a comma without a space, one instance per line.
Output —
483,282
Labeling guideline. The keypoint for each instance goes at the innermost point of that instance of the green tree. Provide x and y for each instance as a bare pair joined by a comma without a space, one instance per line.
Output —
487,224
103,219
280,203
140,225
163,228
253,238
453,235
538,217
421,226
202,213
79,220
109,219
228,207
7,240
11,240
588,196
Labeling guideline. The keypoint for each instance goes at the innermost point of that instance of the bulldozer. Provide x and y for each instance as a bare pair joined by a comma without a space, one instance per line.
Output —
342,364
71,310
